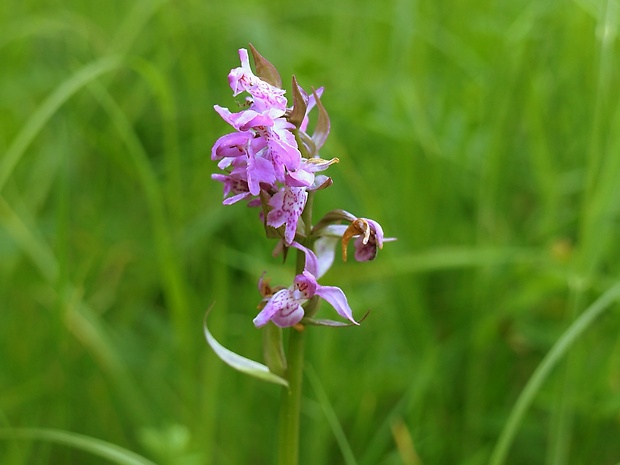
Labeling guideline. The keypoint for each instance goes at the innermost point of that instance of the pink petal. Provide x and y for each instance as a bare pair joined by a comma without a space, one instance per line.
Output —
336,299
278,301
288,205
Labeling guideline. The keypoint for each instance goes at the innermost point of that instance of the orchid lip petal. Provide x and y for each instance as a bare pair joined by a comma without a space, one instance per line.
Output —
287,207
290,317
281,308
271,308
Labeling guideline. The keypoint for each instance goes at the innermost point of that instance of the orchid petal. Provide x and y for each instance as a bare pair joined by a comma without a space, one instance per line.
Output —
288,205
289,317
265,94
231,145
367,244
312,264
305,286
299,178
336,299
260,171
282,300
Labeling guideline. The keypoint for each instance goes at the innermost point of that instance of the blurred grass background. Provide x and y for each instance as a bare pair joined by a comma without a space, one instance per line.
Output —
484,135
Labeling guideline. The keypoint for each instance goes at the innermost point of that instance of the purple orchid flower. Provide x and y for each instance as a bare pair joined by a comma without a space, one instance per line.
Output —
267,142
287,206
265,97
234,185
285,307
369,242
304,176
263,154
368,235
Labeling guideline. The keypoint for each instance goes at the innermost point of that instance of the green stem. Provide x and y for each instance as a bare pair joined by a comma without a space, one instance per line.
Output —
290,405
291,400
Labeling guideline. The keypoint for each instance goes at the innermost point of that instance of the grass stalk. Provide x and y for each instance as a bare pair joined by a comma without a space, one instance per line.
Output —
542,372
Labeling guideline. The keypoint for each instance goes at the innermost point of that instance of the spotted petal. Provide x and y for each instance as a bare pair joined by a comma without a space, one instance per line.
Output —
283,309
288,205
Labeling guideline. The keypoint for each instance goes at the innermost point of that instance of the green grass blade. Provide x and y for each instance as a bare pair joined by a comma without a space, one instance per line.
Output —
47,109
106,450
80,319
332,418
162,90
33,245
169,266
540,375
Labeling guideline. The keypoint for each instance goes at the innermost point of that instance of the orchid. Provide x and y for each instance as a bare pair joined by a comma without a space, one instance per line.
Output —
233,184
266,97
304,176
263,154
369,239
368,234
271,159
285,307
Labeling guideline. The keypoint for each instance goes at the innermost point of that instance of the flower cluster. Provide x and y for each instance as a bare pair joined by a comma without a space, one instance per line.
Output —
271,161
263,155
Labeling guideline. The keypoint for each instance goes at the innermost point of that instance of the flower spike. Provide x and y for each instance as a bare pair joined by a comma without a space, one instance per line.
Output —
271,160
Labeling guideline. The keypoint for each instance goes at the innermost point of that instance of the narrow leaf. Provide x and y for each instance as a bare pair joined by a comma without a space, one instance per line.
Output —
265,70
240,363
95,446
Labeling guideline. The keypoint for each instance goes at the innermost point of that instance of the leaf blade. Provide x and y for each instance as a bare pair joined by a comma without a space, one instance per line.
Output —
240,363
95,446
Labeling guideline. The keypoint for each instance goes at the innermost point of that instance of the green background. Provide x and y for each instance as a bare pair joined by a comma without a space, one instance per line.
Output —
485,135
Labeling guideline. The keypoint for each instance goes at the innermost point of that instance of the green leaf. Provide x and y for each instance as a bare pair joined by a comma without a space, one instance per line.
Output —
95,446
240,363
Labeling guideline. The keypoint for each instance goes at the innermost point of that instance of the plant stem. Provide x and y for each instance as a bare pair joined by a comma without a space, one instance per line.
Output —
290,405
291,400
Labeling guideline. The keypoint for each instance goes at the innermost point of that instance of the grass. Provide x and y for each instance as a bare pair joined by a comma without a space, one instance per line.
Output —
482,134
